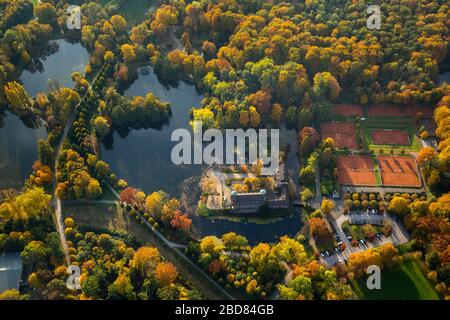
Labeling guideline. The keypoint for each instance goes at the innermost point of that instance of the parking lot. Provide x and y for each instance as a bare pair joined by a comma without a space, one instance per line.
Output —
336,256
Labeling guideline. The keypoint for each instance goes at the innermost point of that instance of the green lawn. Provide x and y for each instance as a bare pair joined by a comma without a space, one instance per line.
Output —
105,216
404,282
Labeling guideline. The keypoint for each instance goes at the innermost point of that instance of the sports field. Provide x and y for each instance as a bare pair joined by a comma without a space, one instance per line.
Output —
390,137
356,170
343,134
399,171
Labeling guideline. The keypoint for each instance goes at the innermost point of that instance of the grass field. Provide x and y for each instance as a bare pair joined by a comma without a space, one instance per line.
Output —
404,282
101,217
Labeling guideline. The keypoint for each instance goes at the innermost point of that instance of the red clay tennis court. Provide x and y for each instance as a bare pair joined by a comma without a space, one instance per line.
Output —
356,170
347,109
390,137
343,133
399,171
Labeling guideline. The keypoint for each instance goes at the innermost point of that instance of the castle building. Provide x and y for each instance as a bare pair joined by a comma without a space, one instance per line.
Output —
248,202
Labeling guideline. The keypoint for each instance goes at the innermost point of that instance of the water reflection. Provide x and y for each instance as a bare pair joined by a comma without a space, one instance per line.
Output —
55,66
142,157
18,150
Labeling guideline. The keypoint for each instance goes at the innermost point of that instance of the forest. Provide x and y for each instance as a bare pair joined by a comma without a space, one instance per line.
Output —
258,64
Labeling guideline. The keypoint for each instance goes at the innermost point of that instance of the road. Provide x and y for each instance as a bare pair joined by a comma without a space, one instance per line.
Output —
56,200
170,250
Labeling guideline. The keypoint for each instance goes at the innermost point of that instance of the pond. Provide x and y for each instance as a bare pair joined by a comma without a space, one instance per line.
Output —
142,158
18,142
18,150
62,59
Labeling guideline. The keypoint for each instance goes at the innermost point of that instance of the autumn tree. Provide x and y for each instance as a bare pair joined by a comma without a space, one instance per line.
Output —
308,139
181,221
318,228
128,53
21,103
211,245
166,273
327,206
145,260
233,241
46,13
122,288
399,206
326,86
31,203
154,203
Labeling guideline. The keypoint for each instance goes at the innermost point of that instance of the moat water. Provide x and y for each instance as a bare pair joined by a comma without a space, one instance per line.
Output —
142,158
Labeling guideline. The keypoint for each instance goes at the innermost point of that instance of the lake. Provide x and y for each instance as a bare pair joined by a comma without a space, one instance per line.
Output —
66,58
18,143
143,159
18,150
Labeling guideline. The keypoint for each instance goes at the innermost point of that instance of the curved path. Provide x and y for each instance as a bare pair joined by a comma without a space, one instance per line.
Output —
56,200
172,251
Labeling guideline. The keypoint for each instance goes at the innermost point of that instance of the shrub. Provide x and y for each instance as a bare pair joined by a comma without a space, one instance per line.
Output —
69,223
